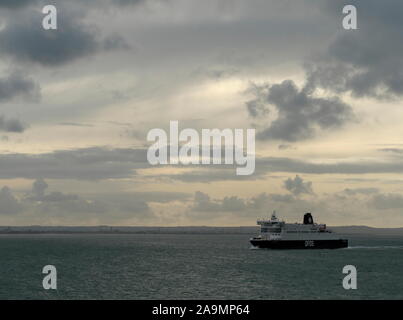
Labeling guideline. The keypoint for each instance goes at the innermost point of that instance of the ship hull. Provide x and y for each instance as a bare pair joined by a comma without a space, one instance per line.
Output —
300,244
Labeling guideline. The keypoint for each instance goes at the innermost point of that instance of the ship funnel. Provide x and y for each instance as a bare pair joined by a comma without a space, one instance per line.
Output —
308,218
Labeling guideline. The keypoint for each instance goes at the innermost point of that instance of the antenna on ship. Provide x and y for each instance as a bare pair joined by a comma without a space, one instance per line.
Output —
273,216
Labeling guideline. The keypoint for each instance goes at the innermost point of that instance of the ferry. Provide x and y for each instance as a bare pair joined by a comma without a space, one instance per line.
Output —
276,234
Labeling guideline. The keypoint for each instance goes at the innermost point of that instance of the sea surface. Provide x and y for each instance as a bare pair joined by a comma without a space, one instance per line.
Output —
194,266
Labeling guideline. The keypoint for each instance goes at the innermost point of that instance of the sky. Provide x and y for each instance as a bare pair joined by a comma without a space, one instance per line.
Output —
76,105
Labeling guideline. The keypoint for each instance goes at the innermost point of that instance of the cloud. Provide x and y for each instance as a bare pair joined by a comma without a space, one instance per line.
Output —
25,40
17,85
281,197
44,206
115,42
267,165
94,163
248,209
299,113
18,4
233,203
393,150
218,173
38,188
8,203
274,164
285,146
75,124
57,196
139,201
203,203
260,202
257,107
326,208
263,201
11,125
38,193
386,201
13,4
161,196
59,203
366,61
297,186
364,191
128,2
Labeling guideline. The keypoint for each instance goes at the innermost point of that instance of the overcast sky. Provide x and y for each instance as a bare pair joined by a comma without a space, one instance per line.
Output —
77,104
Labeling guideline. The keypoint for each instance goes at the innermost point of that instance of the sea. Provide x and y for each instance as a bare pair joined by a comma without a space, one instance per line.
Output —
194,266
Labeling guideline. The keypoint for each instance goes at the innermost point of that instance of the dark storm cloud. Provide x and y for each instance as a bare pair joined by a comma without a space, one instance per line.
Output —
24,39
363,62
300,114
11,125
366,61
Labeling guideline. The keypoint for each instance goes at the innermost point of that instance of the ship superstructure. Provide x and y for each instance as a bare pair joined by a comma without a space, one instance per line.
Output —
276,234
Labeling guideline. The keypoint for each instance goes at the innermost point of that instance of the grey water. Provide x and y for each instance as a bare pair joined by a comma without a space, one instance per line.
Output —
194,266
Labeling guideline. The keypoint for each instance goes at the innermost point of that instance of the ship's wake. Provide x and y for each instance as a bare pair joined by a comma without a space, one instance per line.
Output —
254,248
375,247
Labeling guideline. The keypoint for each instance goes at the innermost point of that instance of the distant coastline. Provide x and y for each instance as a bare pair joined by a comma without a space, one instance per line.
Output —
356,230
